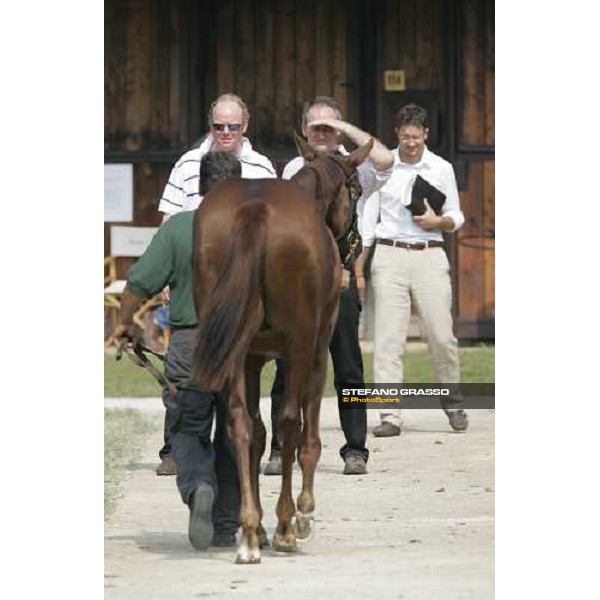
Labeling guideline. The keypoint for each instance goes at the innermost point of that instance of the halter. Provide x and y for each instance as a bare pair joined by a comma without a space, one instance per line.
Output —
351,183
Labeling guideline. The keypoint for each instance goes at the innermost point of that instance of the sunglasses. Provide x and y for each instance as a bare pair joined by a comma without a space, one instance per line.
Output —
229,126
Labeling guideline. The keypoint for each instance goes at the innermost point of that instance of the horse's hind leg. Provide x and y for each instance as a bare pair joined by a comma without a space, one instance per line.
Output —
296,375
240,432
310,450
253,367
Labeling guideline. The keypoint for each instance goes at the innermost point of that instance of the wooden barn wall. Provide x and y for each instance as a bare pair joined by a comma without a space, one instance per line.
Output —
411,38
143,79
476,75
150,75
278,54
446,50
476,248
165,62
474,146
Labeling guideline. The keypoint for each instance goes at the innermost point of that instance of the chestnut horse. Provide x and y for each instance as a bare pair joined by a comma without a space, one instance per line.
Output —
267,282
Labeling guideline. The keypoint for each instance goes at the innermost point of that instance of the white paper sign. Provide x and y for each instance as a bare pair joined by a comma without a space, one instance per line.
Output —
130,241
118,193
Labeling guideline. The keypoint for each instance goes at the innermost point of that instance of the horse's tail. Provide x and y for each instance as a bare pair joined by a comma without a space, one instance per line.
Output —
234,311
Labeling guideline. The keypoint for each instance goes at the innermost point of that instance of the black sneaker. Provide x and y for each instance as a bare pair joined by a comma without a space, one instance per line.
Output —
386,430
274,466
200,529
458,420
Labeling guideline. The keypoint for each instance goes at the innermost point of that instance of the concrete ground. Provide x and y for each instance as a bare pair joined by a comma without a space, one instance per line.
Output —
419,525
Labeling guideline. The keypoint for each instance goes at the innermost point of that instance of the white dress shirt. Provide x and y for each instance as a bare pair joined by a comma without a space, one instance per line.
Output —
385,215
182,190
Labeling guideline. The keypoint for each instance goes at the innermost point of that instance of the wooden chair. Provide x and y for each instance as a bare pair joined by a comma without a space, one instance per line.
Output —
126,242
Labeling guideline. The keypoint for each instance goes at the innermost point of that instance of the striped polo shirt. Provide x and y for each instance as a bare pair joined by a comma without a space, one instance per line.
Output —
182,190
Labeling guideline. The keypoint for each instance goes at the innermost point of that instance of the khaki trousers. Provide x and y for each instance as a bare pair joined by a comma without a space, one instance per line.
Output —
402,277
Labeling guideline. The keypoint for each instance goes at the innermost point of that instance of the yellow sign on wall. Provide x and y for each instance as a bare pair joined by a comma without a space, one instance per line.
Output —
393,81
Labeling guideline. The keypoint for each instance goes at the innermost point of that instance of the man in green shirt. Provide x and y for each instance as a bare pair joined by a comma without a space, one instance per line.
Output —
188,423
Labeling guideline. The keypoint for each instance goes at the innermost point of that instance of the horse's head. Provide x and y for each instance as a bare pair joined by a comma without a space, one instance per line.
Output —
337,188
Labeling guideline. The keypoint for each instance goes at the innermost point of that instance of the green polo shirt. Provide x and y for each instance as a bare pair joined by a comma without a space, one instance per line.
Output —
168,261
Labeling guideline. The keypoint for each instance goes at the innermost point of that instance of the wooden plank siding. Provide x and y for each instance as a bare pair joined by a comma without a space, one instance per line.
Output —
490,74
476,249
143,97
283,109
262,110
476,75
410,40
475,257
470,256
305,56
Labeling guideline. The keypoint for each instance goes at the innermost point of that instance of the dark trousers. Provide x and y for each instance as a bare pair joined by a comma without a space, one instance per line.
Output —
226,509
276,400
191,415
348,371
177,370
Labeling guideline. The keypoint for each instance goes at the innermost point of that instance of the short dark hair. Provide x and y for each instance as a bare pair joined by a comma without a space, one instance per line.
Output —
218,166
411,114
321,101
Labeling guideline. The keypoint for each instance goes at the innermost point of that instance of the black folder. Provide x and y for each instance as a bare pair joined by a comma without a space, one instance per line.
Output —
423,189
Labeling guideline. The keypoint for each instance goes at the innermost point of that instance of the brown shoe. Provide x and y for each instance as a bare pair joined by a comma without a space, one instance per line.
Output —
386,430
167,467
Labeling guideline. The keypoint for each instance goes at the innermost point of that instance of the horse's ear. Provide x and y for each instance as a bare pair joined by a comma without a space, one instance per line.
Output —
360,154
303,148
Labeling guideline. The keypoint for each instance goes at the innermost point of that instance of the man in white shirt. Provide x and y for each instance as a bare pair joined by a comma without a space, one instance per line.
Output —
409,264
228,121
323,126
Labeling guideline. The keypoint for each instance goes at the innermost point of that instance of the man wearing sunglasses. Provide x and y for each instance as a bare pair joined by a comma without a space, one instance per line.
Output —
228,121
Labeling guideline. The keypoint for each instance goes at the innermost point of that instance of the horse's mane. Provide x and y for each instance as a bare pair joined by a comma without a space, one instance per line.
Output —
320,172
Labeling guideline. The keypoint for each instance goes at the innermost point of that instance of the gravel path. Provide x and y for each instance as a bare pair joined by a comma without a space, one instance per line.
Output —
420,525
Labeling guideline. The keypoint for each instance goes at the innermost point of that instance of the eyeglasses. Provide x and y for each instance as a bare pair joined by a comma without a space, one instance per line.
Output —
411,138
229,126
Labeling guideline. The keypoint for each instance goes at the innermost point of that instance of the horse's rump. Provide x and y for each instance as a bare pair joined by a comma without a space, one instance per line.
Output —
263,258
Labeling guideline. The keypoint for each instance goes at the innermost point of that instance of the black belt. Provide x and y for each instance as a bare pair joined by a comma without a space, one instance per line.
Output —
415,246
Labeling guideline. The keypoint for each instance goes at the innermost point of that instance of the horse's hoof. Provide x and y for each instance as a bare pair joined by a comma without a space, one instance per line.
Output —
305,526
247,556
249,561
284,543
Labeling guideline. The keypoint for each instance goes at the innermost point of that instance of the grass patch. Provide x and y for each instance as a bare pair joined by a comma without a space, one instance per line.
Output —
124,379
124,435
